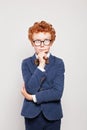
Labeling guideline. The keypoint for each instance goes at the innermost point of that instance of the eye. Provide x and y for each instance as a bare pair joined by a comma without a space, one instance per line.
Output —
37,42
47,41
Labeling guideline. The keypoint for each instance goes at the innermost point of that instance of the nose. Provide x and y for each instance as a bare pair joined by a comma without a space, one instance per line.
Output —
42,44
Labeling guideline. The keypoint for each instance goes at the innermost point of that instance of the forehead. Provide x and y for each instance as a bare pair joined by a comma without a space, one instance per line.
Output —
41,35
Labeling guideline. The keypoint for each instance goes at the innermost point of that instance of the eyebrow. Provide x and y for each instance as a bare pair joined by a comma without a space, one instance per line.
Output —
41,40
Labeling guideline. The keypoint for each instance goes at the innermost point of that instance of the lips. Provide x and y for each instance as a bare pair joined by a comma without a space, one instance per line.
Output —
43,50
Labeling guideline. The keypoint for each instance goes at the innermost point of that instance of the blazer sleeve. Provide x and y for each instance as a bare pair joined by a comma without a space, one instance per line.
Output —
55,92
32,81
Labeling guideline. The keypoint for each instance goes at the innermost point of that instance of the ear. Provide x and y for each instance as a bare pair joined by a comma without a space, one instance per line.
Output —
32,43
51,43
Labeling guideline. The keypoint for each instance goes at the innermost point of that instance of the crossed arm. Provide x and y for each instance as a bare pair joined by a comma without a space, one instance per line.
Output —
52,94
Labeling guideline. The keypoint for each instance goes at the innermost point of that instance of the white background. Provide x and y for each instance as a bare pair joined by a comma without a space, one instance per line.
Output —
69,18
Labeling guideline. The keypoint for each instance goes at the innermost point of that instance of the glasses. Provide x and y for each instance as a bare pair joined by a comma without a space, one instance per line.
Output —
46,42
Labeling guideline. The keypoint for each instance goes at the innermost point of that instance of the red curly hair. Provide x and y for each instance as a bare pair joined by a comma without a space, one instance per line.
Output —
42,26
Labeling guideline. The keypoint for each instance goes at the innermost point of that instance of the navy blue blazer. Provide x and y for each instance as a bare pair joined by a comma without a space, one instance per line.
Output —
47,86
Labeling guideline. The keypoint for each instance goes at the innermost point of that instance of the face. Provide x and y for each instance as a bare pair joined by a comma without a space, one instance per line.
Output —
41,36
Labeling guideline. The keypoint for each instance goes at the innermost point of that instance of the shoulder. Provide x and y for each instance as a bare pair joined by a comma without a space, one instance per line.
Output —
59,63
58,60
26,61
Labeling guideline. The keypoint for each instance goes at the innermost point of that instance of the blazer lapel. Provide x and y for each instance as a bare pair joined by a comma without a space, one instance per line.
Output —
51,62
31,64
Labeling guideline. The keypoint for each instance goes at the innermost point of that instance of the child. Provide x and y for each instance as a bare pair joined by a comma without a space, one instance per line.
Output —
43,76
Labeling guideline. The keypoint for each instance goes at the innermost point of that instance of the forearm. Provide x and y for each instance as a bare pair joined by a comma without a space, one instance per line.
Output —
48,96
32,78
34,83
51,94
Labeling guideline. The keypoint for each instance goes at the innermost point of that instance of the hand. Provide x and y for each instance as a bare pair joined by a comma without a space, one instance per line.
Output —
26,95
42,56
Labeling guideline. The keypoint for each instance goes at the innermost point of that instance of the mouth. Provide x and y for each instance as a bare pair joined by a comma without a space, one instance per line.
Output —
46,51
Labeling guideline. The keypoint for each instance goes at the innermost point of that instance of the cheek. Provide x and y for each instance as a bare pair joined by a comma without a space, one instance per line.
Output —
48,47
36,49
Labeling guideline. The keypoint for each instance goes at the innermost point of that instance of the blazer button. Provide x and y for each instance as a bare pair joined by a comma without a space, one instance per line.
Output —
41,89
42,79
